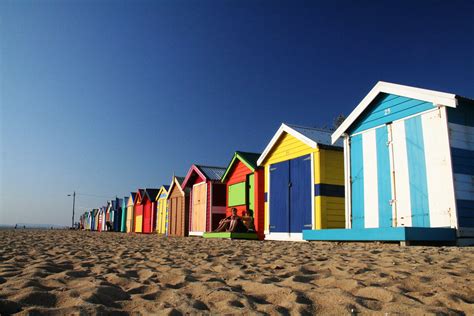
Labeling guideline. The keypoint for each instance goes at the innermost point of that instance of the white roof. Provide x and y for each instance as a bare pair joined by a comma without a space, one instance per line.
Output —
435,97
309,135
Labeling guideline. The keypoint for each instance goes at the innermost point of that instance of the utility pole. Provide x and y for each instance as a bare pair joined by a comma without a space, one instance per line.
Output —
73,206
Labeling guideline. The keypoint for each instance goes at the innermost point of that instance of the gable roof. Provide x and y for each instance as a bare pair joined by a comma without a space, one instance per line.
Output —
139,196
163,190
212,173
249,159
205,172
151,193
176,181
311,136
435,97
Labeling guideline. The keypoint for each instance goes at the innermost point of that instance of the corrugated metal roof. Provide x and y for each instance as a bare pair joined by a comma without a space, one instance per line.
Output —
319,135
212,173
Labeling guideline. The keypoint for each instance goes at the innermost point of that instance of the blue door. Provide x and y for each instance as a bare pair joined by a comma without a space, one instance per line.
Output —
357,182
279,197
300,194
417,172
384,183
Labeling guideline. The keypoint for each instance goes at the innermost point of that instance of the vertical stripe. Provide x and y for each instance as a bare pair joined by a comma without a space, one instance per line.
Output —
400,170
357,182
384,178
441,200
417,172
369,152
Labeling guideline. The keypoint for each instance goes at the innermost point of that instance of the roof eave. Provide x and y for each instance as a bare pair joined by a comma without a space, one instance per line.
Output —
229,167
284,129
435,97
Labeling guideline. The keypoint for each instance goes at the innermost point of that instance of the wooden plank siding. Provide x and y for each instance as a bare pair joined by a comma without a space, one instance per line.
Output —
178,207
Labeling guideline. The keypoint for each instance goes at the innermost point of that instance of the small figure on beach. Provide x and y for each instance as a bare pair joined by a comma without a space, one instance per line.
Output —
16,226
232,223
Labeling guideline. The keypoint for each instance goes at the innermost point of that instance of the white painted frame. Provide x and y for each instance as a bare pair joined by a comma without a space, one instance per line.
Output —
199,233
454,217
347,181
290,236
267,231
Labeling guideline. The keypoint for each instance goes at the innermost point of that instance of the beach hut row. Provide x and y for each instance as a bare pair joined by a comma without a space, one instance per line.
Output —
399,168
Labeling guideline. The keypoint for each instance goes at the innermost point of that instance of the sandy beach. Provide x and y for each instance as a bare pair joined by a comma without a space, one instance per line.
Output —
76,272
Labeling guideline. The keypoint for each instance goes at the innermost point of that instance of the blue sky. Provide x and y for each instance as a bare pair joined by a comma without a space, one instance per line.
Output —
103,97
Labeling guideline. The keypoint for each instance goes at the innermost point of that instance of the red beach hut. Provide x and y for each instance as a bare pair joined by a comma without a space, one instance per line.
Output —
148,201
207,198
138,211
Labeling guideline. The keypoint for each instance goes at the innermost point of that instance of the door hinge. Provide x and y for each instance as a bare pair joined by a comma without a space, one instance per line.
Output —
392,201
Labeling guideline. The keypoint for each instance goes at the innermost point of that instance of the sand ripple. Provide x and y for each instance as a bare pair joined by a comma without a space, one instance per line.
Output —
86,273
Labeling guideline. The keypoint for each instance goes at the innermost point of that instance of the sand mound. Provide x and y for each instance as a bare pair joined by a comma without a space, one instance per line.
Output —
88,273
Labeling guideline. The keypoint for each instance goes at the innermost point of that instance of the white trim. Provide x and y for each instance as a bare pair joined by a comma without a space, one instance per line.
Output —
196,233
266,169
371,174
435,97
284,129
211,189
313,210
393,176
192,206
347,180
285,236
454,215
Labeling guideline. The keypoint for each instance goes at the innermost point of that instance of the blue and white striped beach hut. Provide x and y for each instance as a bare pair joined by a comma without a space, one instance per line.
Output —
409,167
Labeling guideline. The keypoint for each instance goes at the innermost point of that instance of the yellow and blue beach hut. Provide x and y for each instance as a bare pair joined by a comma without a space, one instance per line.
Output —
304,182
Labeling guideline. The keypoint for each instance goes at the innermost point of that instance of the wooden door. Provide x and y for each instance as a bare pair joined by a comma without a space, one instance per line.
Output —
179,216
172,216
199,207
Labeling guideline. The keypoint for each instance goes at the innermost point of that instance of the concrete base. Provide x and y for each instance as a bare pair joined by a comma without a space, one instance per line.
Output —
382,234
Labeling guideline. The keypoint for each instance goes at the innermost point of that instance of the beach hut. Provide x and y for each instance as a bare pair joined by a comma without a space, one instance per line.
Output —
117,218
409,160
149,210
89,219
130,215
97,224
245,188
100,219
108,218
162,209
178,208
123,223
304,182
206,198
94,219
138,211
